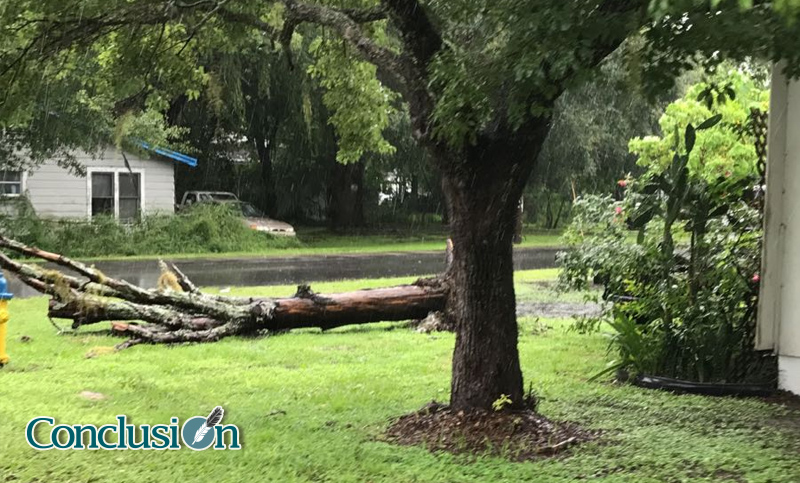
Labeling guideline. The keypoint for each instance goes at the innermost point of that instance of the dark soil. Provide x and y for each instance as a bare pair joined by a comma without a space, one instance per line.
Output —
790,420
784,398
517,435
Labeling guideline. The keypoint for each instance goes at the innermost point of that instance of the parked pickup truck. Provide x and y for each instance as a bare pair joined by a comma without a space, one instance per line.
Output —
252,216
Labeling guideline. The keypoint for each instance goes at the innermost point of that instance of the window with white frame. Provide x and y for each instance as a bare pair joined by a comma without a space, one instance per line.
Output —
130,196
10,183
117,194
103,194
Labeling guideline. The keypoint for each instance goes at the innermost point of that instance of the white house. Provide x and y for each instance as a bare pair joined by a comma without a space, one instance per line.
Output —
110,187
779,307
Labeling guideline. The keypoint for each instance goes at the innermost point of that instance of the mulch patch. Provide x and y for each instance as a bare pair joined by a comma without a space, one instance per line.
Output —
517,435
784,398
790,421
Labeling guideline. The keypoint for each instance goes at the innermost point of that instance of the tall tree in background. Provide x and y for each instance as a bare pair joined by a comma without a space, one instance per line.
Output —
586,150
270,97
261,105
252,102
410,185
480,80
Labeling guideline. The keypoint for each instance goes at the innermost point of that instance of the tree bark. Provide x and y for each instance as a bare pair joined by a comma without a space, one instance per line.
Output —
265,149
346,195
304,309
483,194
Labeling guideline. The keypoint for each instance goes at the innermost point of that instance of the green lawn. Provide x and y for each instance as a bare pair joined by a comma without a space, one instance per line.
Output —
340,389
316,241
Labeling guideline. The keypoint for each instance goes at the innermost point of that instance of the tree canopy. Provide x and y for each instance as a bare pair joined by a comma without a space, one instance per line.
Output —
587,148
71,70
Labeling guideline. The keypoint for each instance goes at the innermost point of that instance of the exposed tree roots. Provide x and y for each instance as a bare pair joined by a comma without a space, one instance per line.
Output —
189,315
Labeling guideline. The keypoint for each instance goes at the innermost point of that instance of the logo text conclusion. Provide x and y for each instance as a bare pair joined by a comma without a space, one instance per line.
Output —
191,434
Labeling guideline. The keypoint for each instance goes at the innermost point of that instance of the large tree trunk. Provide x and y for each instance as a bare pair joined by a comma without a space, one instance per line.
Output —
346,195
483,192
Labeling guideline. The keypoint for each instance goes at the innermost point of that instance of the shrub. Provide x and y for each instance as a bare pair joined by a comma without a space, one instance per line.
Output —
202,229
684,289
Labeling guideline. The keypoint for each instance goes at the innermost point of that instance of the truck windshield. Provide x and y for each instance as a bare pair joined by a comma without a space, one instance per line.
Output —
250,211
221,197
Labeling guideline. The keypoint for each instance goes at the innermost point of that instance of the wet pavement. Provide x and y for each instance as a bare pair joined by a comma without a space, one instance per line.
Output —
248,272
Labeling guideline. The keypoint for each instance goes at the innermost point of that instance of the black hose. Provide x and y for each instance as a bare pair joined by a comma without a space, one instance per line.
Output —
704,388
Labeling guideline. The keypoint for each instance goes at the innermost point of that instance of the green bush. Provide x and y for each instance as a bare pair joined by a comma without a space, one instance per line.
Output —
202,229
684,291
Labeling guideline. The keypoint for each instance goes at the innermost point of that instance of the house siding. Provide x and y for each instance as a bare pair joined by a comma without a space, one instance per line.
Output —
54,192
789,373
779,307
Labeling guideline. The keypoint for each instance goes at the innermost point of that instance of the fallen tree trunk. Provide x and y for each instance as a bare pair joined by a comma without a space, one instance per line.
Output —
326,312
189,315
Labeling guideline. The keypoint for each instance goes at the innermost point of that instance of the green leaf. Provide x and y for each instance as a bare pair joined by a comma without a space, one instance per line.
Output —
612,366
641,219
719,211
689,138
710,122
651,188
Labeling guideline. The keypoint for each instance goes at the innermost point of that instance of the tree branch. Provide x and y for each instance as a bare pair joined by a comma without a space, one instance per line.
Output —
55,34
122,289
396,66
87,311
186,284
244,19
621,17
285,39
418,33
365,15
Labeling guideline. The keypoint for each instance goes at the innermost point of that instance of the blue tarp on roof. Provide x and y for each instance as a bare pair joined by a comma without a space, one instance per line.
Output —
182,158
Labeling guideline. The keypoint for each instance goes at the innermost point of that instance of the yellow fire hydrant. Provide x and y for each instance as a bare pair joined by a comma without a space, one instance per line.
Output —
4,298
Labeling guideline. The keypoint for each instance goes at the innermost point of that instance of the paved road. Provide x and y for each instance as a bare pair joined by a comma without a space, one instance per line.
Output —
297,269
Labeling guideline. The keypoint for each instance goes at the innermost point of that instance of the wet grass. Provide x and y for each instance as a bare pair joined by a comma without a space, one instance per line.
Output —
311,407
316,241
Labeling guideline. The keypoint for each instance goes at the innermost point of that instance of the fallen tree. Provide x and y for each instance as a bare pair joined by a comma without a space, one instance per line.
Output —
190,315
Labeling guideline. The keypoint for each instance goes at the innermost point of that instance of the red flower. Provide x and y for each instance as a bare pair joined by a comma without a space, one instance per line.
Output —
622,183
618,210
756,278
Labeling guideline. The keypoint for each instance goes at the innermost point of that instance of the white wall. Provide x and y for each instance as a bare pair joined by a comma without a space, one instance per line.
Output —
789,373
54,192
779,307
